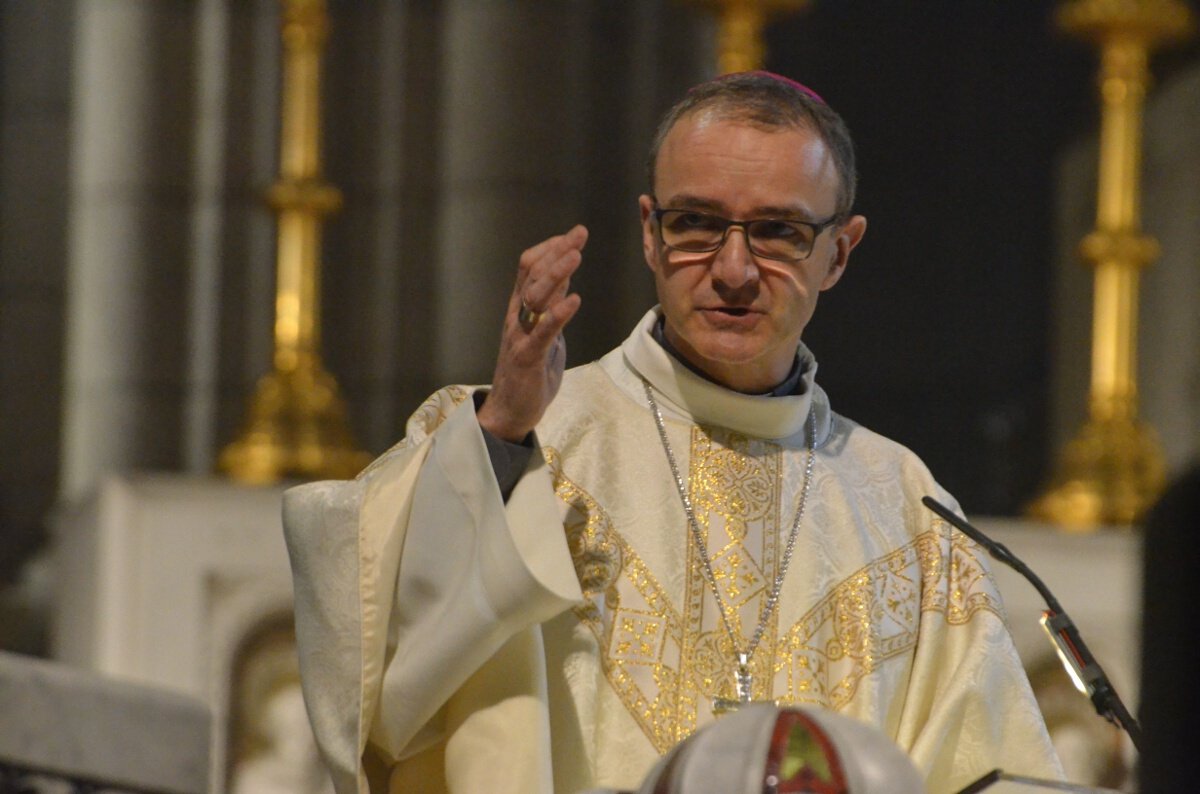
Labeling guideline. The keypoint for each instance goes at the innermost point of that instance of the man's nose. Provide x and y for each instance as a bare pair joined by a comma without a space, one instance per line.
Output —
733,264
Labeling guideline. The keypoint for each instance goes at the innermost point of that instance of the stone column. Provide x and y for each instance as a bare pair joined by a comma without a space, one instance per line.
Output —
375,116
540,123
511,121
35,53
1169,346
128,236
208,168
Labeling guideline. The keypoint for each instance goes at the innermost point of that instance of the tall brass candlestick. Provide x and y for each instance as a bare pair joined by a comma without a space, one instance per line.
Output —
296,426
1113,470
740,45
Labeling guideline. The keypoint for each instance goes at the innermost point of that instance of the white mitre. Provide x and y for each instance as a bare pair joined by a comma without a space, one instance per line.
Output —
765,748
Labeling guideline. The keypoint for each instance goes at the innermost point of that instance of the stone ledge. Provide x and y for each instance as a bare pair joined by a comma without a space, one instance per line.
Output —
70,722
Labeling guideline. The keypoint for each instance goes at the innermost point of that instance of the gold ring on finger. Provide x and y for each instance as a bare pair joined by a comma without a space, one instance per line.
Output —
527,317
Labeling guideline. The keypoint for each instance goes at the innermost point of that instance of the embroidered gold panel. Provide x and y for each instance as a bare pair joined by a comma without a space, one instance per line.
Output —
667,656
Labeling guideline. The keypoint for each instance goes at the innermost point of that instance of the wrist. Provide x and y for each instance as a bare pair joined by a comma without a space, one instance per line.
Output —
496,423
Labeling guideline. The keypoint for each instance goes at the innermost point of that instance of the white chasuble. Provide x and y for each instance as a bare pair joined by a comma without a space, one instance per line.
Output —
451,642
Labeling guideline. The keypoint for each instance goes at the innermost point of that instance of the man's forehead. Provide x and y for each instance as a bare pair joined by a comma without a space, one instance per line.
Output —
713,115
706,123
781,168
707,132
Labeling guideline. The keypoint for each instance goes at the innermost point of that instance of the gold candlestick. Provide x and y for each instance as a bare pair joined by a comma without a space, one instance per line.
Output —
296,426
1113,470
740,45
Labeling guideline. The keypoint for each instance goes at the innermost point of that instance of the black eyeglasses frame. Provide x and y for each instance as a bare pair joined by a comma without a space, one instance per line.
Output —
727,224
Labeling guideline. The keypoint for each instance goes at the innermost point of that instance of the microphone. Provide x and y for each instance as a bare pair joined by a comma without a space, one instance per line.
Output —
1081,665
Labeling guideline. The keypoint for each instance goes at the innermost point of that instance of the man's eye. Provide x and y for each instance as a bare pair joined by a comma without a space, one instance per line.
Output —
694,221
778,230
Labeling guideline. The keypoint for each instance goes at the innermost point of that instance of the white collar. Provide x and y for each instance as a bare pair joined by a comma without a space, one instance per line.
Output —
688,395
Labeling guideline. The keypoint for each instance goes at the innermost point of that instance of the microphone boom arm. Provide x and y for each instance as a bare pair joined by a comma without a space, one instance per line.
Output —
1078,658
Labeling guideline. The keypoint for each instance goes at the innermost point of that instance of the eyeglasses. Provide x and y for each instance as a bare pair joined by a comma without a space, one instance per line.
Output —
771,238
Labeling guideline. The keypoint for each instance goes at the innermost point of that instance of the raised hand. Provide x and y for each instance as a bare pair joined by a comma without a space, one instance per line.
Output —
533,353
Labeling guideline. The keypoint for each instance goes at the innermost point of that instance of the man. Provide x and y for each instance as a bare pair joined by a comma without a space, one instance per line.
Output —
550,583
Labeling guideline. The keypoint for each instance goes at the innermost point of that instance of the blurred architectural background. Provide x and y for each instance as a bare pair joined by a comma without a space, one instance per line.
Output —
137,256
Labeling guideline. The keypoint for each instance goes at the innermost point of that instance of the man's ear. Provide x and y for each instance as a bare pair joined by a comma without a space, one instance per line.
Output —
849,235
649,239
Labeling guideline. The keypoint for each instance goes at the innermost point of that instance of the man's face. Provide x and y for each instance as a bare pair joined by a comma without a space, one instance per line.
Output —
736,316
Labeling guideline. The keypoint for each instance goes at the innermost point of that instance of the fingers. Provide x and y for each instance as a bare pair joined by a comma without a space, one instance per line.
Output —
533,343
532,352
554,320
545,271
575,238
541,306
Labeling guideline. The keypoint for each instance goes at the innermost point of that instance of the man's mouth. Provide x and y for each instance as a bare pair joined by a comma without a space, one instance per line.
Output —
732,317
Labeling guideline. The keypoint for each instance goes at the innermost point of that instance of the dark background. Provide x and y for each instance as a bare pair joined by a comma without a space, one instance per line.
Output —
939,335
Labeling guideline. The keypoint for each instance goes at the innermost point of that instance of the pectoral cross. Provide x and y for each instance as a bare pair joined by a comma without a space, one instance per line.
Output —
744,685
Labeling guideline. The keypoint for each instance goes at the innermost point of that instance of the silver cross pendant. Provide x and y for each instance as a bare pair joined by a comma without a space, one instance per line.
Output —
744,684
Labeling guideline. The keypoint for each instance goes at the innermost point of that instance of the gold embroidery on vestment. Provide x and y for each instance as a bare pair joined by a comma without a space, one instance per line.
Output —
733,483
667,662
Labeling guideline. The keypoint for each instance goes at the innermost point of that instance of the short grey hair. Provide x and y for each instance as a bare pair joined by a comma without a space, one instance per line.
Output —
771,102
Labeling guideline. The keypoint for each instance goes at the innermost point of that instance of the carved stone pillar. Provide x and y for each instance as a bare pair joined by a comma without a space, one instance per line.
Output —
128,236
511,119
